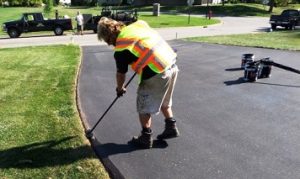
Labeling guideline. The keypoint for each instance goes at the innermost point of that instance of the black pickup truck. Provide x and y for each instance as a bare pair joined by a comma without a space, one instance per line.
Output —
288,19
90,21
34,22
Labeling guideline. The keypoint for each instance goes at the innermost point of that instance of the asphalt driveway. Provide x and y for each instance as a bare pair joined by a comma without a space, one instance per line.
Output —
229,128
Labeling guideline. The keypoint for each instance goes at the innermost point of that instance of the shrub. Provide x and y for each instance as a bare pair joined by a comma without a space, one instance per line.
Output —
27,3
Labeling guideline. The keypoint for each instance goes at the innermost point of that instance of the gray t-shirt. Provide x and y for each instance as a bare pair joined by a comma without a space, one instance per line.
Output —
79,19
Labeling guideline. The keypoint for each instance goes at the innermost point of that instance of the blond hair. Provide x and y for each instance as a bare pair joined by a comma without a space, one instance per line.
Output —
108,28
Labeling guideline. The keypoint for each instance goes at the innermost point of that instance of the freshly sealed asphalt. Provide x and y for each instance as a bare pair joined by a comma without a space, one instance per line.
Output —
230,129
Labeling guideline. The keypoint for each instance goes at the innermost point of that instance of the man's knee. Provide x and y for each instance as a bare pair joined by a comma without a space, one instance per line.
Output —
165,108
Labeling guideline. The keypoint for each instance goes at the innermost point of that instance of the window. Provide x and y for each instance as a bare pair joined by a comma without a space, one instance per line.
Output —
293,13
30,17
38,17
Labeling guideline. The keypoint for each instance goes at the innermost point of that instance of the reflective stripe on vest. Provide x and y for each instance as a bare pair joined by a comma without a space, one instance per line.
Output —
148,46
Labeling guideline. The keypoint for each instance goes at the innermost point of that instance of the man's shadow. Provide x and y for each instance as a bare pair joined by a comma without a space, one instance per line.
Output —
44,154
108,149
54,153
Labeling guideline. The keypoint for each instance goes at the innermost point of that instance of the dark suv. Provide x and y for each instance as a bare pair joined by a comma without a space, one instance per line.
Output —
288,19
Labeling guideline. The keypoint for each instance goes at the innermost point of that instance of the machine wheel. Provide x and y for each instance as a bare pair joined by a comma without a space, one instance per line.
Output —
13,33
58,30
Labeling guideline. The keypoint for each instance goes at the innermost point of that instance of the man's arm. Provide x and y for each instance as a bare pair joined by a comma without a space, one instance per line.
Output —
120,77
123,59
120,84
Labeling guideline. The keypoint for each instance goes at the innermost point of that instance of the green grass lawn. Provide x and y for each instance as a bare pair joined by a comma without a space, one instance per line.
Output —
165,20
287,40
239,9
41,135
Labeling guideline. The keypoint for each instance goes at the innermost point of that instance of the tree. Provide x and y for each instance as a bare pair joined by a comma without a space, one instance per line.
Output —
275,3
49,6
271,4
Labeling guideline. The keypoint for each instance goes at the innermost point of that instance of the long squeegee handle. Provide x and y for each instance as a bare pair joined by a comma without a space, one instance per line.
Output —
286,67
90,131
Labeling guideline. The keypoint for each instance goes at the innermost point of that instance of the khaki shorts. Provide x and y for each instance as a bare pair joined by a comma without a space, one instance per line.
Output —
156,92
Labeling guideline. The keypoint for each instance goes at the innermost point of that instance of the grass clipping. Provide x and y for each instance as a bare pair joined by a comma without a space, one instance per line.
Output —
41,135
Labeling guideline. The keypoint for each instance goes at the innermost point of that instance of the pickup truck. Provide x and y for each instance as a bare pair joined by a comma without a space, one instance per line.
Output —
90,21
34,22
288,19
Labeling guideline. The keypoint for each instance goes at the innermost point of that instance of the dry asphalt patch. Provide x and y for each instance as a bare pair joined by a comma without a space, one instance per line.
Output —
229,128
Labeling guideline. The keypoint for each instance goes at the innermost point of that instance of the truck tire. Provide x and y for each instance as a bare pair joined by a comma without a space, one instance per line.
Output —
273,26
13,33
58,30
292,26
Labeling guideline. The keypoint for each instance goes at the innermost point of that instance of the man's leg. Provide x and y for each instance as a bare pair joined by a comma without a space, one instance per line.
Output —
170,123
167,112
171,129
78,29
145,139
145,120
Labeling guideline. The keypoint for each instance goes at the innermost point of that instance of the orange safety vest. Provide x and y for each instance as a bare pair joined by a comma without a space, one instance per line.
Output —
147,45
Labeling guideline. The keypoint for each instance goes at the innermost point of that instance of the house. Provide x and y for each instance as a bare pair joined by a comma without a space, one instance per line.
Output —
65,2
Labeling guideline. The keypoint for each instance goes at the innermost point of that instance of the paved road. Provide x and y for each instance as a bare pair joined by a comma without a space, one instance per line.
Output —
229,129
229,25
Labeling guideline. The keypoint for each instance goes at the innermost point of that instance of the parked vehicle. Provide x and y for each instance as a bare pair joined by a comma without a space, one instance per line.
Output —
288,19
34,22
90,21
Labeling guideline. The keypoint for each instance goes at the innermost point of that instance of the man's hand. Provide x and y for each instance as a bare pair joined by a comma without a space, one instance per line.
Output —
120,91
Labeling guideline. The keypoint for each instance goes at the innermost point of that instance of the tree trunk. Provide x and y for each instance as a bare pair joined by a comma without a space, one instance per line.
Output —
271,6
